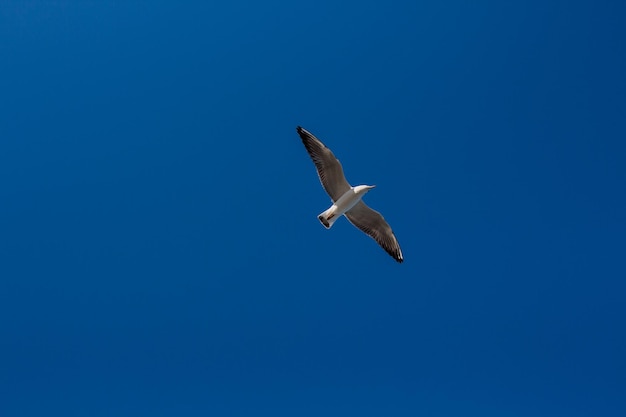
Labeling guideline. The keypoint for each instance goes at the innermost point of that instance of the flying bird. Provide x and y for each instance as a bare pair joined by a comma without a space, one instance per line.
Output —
347,199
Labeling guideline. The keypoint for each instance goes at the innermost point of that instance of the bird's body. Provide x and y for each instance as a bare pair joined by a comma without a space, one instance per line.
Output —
347,199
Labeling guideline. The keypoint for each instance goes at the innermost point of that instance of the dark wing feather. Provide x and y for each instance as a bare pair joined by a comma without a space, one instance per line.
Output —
373,223
328,167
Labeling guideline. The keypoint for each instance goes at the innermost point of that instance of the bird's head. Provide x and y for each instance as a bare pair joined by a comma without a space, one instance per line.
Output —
363,189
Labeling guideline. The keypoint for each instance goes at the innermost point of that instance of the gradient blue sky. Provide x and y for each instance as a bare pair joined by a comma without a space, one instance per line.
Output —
160,253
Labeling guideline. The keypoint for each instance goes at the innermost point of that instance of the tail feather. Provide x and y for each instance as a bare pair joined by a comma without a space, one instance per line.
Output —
328,218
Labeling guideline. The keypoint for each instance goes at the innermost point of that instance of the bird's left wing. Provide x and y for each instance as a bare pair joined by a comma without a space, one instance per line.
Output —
373,223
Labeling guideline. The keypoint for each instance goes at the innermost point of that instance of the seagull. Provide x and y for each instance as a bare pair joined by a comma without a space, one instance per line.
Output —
347,199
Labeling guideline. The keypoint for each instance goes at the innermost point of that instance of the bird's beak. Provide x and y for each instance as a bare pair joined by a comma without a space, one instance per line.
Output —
372,186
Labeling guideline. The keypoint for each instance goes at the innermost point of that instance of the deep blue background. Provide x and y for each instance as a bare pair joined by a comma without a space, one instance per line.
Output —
159,248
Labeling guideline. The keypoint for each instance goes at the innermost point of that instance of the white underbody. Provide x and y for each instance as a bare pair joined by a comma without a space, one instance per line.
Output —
348,200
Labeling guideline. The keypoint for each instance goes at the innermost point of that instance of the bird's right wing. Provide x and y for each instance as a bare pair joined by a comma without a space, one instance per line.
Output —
373,223
328,167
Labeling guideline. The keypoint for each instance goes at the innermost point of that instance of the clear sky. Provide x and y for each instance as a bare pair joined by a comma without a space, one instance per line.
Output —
159,248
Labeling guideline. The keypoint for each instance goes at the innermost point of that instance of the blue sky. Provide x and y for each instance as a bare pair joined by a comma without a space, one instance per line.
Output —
160,253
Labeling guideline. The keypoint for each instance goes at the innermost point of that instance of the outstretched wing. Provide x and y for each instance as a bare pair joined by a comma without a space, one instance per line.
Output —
373,223
328,167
